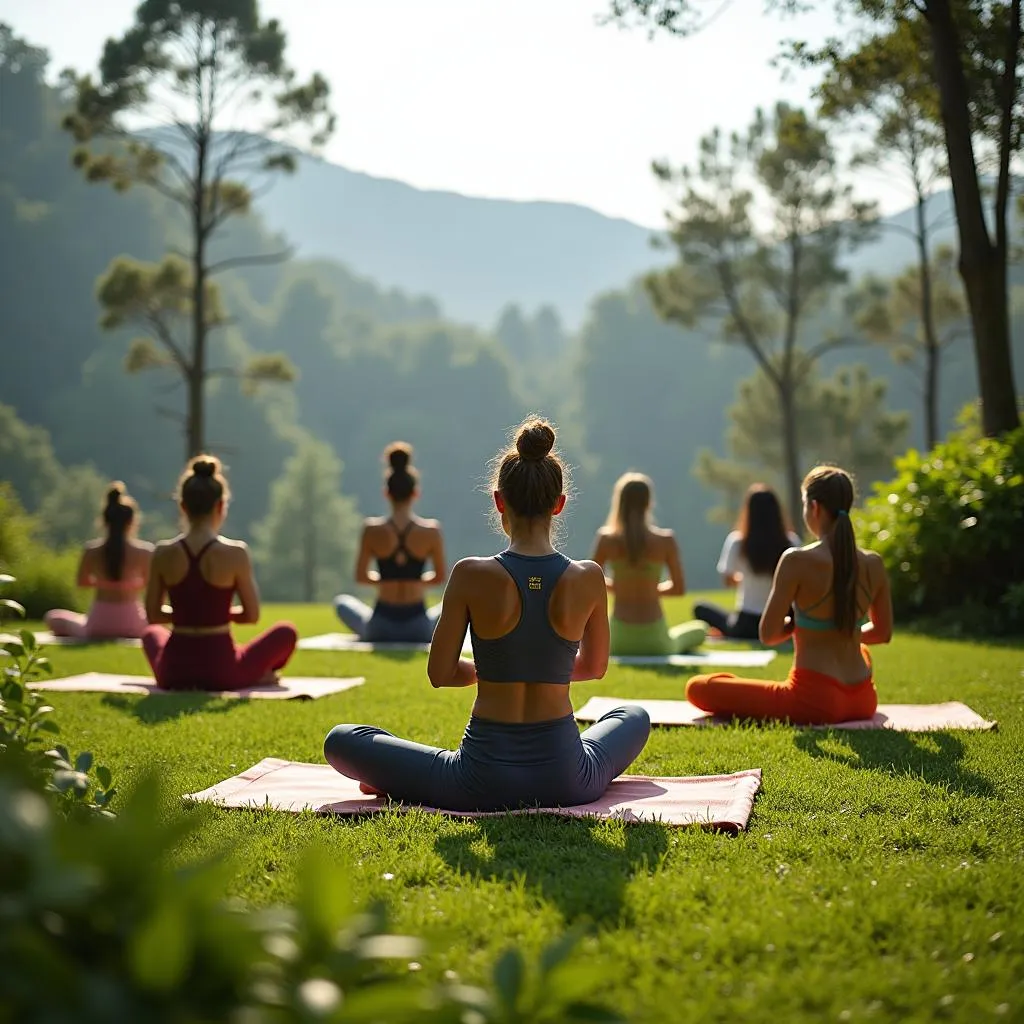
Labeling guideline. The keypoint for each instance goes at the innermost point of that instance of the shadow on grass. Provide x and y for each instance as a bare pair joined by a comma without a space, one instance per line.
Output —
152,710
934,757
576,864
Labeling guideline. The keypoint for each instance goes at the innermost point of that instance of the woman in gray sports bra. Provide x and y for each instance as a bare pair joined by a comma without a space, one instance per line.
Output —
401,544
538,621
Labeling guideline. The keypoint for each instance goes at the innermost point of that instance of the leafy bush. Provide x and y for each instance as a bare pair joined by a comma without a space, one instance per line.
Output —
949,529
46,579
27,726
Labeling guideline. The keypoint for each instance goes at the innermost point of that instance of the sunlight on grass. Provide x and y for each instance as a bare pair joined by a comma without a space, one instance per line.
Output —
880,878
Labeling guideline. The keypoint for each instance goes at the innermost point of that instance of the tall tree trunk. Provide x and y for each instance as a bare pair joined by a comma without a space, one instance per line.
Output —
931,344
197,381
982,264
791,455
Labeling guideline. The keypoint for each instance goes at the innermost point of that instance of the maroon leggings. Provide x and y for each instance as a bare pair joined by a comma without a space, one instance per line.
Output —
182,661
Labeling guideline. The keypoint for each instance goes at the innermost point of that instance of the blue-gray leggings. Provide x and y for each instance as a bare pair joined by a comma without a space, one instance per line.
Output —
387,623
499,765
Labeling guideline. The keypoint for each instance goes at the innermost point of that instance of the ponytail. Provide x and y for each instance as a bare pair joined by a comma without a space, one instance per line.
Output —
118,515
843,545
832,488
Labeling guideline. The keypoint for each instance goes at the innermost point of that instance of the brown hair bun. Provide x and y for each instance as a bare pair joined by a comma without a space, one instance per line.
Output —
203,467
535,440
115,494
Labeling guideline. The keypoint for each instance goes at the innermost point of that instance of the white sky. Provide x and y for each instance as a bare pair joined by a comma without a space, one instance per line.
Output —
522,99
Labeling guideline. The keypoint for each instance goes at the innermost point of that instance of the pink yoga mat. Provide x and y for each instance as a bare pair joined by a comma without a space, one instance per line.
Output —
899,717
720,802
290,687
48,639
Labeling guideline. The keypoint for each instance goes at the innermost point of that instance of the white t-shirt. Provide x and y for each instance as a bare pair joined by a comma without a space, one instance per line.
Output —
754,588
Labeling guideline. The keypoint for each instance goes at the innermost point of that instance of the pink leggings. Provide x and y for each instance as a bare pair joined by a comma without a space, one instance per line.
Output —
106,619
181,661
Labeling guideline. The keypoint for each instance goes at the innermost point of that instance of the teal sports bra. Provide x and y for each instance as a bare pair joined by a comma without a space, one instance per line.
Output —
803,620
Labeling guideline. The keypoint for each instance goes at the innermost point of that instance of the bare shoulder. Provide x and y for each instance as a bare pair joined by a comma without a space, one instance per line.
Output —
662,533
872,562
585,569
163,546
142,546
94,545
429,524
374,522
236,549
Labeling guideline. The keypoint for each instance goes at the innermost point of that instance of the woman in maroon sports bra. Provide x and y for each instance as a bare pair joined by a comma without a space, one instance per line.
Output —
201,572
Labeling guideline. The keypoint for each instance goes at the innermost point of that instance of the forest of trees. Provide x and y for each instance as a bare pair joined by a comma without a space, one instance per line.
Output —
346,366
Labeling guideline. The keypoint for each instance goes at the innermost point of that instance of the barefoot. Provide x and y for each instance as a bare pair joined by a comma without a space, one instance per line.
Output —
365,787
270,679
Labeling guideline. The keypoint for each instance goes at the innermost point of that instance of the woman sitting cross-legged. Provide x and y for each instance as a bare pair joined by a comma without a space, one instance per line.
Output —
840,597
747,562
538,621
636,552
402,544
201,572
118,567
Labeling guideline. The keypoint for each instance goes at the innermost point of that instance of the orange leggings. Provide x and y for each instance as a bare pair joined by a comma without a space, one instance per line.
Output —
805,698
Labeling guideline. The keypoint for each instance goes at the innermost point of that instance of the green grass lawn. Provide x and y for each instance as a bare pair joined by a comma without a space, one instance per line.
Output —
882,876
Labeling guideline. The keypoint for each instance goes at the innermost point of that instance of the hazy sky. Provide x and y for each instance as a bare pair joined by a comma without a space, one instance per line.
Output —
523,99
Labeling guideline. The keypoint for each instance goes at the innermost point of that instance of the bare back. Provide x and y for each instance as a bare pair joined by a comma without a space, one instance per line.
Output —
482,592
420,538
92,572
803,582
638,587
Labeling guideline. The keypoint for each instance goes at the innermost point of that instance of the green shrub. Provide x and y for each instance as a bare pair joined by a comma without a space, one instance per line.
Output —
949,530
46,579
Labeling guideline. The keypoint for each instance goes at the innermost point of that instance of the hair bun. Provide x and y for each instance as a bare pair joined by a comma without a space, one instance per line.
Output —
116,493
204,467
535,440
399,455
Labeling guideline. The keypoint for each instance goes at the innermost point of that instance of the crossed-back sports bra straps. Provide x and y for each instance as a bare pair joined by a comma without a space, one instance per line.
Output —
532,652
803,620
409,567
195,602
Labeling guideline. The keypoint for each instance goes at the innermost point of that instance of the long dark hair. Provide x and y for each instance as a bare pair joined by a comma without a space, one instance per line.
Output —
832,488
118,515
763,529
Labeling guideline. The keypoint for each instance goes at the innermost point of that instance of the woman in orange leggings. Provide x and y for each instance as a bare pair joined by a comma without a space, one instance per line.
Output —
840,602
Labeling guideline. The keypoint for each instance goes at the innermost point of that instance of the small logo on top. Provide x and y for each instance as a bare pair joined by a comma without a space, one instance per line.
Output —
534,583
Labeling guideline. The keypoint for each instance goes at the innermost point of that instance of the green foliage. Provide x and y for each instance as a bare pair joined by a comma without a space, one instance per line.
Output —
27,460
46,578
841,419
70,513
948,529
306,544
27,725
760,286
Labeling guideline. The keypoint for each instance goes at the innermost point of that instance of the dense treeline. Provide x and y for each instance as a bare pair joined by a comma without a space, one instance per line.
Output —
373,365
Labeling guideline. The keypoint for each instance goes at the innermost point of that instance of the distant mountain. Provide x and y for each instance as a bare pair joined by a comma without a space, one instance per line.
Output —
476,255
473,255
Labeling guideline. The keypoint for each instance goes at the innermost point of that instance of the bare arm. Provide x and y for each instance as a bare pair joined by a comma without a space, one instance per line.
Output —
364,574
439,574
600,556
245,587
445,664
879,629
776,625
156,611
86,575
675,585
595,644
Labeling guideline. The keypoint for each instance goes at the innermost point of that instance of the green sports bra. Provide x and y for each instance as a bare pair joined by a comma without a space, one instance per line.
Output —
803,620
651,570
